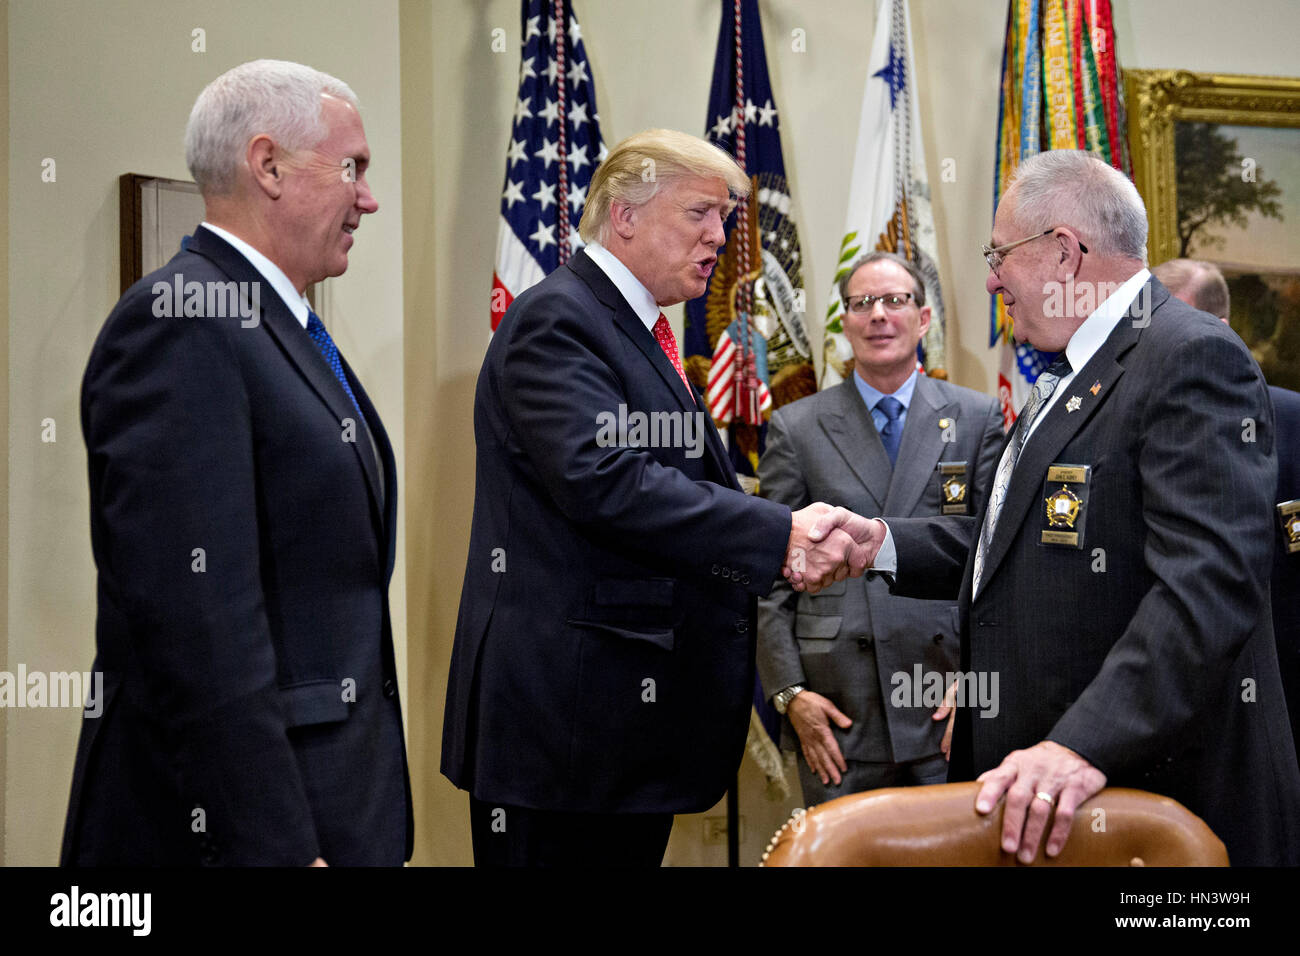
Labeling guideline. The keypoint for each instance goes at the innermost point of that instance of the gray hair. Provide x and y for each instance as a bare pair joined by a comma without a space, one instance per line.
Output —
274,97
918,283
1071,187
1201,281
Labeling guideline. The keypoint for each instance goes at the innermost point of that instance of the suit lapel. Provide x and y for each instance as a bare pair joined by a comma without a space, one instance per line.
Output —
712,438
306,357
1057,429
920,449
388,521
380,502
721,460
851,431
630,325
298,348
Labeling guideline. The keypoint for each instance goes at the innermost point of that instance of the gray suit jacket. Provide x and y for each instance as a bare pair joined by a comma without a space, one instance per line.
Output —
1149,649
850,640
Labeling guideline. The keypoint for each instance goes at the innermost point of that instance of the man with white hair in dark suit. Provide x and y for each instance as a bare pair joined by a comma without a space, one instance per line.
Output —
1117,581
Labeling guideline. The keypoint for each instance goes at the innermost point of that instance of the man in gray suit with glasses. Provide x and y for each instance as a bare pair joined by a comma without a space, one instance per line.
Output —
858,673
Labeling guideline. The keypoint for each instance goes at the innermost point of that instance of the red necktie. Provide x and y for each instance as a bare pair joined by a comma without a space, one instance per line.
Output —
668,342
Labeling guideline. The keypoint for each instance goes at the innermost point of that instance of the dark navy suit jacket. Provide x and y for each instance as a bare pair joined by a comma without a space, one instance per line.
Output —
252,713
604,653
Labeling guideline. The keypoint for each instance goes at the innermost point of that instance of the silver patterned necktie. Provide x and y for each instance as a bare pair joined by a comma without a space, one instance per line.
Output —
1043,389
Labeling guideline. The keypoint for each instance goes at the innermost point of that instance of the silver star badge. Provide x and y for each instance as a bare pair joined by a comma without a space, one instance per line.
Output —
1073,404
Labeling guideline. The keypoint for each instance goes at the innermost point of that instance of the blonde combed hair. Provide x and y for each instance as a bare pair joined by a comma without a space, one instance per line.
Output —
635,169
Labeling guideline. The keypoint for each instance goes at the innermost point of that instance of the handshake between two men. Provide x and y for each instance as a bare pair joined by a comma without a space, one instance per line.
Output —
829,544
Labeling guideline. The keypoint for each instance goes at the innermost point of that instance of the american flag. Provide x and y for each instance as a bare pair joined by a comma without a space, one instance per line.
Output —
555,146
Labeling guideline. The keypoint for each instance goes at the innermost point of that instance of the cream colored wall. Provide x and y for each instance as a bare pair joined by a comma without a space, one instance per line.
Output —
442,340
4,390
105,88
1257,36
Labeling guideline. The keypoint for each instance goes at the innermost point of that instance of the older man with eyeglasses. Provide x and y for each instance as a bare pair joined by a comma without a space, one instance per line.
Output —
841,665
1117,582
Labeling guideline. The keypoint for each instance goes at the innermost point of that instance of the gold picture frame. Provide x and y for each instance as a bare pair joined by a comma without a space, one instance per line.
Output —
1157,99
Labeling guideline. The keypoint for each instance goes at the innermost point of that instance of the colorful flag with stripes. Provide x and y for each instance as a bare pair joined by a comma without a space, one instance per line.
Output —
555,146
889,194
745,340
1060,90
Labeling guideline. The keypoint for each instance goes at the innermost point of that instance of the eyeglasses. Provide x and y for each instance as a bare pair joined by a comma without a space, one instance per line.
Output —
892,301
994,255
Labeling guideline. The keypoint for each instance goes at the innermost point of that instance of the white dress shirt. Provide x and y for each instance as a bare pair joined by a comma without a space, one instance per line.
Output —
637,295
1089,336
273,274
1083,345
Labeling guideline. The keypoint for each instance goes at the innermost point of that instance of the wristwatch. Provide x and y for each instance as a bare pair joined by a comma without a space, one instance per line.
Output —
782,700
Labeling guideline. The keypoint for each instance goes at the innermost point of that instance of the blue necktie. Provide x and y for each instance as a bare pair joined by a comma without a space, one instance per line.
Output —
316,329
892,433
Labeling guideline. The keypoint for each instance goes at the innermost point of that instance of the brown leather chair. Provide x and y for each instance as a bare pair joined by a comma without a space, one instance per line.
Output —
938,826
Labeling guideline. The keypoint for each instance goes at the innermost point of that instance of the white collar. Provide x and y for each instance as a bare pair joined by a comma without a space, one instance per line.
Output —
273,274
1089,336
634,293
1094,331
871,395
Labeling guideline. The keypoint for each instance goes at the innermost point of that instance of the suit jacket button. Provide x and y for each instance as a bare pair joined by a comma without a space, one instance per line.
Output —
717,570
390,688
735,576
742,627
938,638
744,579
864,643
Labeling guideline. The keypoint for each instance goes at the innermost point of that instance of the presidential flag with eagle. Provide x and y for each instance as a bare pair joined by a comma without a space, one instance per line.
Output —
745,340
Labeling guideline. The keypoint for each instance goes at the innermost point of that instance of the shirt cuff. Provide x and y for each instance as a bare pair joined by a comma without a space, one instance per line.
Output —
887,556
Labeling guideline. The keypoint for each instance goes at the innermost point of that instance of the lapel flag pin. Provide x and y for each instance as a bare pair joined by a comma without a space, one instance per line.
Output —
1096,387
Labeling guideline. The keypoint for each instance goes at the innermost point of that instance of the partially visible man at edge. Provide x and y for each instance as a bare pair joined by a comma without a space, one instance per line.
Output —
1201,285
